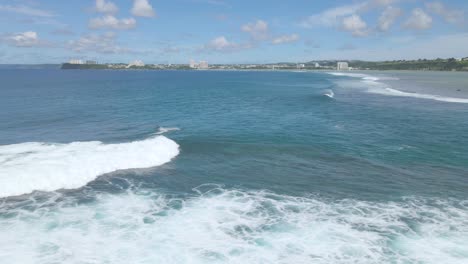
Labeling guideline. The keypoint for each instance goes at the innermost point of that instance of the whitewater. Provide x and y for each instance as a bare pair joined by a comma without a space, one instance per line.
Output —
219,225
375,85
36,166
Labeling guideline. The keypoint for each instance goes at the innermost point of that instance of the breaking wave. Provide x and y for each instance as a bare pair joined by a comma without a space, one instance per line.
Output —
28,167
234,226
374,86
163,130
329,93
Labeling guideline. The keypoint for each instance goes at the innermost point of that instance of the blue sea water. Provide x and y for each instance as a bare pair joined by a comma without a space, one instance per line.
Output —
233,167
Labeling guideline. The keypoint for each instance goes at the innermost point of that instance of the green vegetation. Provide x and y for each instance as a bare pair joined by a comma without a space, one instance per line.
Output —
419,65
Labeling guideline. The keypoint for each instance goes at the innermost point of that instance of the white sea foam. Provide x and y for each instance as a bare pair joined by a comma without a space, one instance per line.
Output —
27,167
163,130
374,86
329,93
394,92
235,226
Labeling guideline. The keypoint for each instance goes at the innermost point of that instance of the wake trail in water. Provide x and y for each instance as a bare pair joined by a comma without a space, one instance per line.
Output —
37,166
376,87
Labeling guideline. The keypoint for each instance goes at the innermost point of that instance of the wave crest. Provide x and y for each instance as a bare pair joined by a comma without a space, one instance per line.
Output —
34,166
377,87
329,93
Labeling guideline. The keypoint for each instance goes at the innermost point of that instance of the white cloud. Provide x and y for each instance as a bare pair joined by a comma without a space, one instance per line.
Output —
257,30
142,8
107,7
451,16
23,39
388,17
355,25
221,44
379,3
25,10
418,20
348,17
104,43
285,39
414,48
110,22
331,17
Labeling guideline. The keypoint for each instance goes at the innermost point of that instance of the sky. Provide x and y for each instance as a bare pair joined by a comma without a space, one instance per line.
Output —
230,31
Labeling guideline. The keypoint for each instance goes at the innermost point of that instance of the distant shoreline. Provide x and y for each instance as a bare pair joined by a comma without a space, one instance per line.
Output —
414,65
420,66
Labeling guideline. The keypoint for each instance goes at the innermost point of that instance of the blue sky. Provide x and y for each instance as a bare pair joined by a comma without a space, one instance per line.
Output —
227,31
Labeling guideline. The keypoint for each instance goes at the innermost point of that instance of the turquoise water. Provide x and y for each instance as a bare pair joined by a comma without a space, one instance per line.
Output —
233,167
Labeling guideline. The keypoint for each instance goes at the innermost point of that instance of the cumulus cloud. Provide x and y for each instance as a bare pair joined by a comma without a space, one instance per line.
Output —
100,43
142,8
348,17
332,16
111,22
355,25
450,15
221,44
25,10
24,39
258,30
107,7
388,18
416,48
285,39
419,20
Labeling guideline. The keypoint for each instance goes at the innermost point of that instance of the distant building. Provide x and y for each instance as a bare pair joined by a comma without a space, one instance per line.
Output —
75,61
91,62
317,65
193,64
300,66
342,66
203,65
137,63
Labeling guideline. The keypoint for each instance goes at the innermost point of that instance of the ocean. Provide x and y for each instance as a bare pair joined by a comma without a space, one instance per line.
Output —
233,167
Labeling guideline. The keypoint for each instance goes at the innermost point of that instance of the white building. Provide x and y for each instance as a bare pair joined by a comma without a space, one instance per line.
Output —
317,65
342,66
203,65
76,61
137,63
193,64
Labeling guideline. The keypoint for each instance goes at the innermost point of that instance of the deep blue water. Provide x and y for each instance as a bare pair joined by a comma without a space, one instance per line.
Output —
270,169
